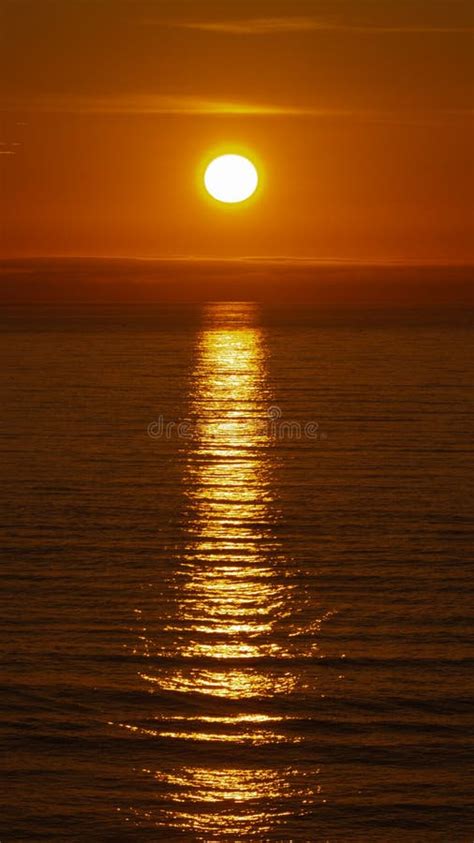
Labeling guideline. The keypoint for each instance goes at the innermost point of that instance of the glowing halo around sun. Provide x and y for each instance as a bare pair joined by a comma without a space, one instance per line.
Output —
231,178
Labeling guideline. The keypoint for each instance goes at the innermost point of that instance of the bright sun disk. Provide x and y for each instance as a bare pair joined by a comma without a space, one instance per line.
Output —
231,178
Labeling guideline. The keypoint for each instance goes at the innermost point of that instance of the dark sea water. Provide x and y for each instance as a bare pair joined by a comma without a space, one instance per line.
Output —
253,626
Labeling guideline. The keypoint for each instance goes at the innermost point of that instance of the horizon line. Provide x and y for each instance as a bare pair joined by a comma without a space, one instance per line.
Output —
306,260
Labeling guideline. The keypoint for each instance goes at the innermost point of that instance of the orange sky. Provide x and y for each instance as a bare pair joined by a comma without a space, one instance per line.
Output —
358,112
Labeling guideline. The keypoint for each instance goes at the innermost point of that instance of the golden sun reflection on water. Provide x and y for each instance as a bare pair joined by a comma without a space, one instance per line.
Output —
231,597
232,684
230,800
234,599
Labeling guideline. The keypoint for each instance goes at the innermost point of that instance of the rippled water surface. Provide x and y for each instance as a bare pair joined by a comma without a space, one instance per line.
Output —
235,578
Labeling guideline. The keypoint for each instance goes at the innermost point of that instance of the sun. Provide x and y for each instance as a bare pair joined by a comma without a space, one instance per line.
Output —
231,178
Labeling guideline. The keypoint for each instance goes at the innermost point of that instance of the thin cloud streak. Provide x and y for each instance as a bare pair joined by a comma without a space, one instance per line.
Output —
185,105
146,104
275,26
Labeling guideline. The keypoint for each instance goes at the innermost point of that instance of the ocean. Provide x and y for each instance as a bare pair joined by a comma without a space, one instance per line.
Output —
236,573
